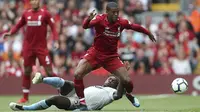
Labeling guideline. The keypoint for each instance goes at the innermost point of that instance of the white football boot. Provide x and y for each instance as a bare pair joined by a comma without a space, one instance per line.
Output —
37,78
15,106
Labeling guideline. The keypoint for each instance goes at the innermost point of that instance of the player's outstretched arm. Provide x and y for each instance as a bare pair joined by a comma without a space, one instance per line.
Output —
19,24
91,20
138,28
15,28
120,90
143,30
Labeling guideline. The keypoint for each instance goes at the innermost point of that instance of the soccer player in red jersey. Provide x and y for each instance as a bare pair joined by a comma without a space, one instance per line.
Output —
103,53
35,43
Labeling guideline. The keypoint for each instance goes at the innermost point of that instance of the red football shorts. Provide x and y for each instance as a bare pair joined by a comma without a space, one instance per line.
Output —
95,59
31,55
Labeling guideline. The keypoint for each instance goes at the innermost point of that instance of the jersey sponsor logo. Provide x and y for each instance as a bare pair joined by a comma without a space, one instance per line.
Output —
107,32
34,23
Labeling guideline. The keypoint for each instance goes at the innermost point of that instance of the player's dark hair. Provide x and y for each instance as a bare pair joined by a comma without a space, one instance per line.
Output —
112,75
111,5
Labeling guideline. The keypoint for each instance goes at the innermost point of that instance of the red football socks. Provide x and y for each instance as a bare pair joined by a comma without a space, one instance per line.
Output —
26,85
79,87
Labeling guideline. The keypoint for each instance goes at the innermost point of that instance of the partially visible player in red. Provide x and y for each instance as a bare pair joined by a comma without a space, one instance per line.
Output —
35,43
103,53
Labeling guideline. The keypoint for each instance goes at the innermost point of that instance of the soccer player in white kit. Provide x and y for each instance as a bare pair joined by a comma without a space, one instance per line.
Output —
96,97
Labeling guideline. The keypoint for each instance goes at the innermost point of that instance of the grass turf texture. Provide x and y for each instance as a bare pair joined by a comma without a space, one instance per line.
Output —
150,103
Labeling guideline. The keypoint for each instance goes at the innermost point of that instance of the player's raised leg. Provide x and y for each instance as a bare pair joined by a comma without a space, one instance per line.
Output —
53,81
64,86
83,68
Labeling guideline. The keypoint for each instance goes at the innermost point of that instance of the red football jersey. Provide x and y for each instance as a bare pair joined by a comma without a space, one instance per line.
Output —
36,28
107,34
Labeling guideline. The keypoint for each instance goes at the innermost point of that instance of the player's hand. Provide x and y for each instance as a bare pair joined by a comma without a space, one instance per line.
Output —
6,34
127,65
151,36
55,45
92,15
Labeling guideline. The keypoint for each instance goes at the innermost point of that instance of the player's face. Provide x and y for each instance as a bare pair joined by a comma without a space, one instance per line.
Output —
113,14
35,3
111,82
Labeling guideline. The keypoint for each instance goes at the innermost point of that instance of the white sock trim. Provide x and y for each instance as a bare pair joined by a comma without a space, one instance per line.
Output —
26,90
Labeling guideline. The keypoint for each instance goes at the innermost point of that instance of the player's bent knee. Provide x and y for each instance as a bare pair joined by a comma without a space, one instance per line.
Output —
27,72
51,100
60,102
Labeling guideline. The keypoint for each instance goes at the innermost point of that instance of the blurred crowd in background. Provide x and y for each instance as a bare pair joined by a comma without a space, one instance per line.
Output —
175,52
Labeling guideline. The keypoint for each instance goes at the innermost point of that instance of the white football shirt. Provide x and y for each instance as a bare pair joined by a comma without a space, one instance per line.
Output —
97,97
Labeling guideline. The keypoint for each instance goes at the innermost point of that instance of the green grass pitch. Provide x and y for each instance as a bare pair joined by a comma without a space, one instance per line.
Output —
150,103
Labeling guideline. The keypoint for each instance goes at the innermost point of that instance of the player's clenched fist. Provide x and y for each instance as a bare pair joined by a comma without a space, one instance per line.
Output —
92,15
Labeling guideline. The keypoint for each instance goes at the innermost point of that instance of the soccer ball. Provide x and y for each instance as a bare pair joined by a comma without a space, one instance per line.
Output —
179,85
